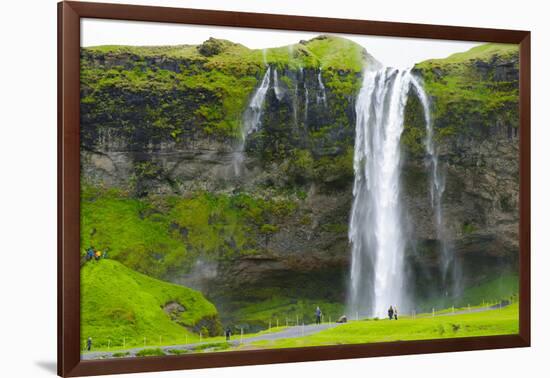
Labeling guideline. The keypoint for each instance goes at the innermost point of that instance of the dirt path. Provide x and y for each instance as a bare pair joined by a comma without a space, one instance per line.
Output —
286,333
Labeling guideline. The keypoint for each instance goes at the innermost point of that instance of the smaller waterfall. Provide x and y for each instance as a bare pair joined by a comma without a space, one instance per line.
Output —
278,91
253,113
437,189
306,97
251,119
321,97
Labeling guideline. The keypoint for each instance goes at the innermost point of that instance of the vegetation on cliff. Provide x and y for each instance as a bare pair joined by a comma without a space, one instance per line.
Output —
161,235
183,92
472,93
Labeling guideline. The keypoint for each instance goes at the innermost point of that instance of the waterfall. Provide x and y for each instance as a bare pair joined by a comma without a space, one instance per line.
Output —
306,97
376,230
253,112
437,189
322,97
276,87
251,119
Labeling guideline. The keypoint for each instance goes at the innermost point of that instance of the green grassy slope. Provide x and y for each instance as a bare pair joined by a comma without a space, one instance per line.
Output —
119,303
494,322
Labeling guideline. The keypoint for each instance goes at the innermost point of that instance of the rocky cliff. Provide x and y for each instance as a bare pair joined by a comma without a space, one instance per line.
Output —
161,127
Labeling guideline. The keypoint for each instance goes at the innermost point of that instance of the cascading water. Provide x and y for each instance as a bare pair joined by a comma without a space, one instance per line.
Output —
251,119
437,189
276,87
376,229
321,97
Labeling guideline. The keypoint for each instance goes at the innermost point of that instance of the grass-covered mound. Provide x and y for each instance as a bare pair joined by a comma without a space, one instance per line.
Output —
471,91
120,306
493,322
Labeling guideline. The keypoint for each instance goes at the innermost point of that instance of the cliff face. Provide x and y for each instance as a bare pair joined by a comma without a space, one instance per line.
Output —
474,103
162,126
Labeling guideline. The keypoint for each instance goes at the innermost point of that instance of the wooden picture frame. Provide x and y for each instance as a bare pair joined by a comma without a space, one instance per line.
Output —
69,16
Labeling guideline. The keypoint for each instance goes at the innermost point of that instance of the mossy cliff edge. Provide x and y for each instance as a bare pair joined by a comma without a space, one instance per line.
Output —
159,131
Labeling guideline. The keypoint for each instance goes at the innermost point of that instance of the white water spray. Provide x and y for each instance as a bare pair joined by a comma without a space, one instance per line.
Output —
376,230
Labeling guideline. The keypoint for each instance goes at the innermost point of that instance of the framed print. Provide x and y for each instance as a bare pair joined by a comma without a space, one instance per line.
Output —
239,188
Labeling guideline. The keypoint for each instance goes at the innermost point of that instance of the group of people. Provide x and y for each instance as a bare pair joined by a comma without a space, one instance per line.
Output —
392,312
94,254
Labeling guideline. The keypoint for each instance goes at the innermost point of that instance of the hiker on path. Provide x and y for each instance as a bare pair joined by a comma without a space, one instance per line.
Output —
318,315
97,255
395,312
227,334
390,312
89,344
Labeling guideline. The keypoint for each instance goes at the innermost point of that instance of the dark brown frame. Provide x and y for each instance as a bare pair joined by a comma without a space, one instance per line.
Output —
69,15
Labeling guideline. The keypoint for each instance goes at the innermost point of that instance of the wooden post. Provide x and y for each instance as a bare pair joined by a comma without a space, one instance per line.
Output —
356,315
297,320
200,337
433,312
303,330
277,322
241,335
453,309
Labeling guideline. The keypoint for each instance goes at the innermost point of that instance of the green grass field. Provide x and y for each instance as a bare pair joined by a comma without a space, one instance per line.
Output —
487,323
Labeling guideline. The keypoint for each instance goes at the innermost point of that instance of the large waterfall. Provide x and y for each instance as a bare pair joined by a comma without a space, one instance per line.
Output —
376,229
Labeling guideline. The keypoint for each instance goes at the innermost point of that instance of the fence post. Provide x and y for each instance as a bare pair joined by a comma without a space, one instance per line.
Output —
124,342
433,312
453,309
277,322
269,329
356,315
303,329
297,320
241,335
286,321
200,337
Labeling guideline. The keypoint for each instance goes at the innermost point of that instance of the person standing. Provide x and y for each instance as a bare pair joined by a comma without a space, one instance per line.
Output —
390,312
227,334
89,344
318,315
395,312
